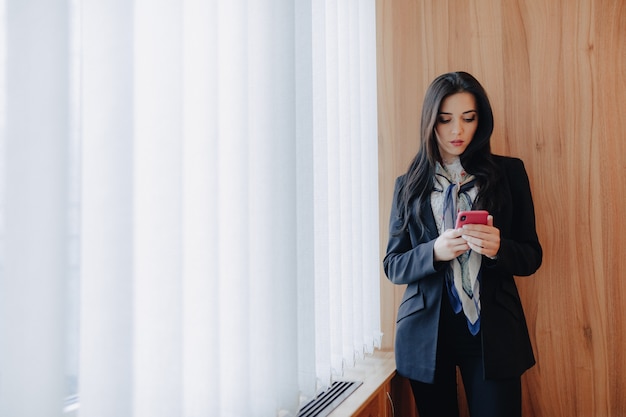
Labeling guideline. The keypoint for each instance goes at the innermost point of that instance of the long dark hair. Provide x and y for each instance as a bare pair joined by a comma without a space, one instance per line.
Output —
477,158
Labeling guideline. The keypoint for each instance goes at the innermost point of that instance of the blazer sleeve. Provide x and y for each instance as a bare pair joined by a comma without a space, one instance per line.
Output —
409,257
520,252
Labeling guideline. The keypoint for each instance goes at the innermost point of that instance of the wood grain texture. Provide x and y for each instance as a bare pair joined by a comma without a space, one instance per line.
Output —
555,72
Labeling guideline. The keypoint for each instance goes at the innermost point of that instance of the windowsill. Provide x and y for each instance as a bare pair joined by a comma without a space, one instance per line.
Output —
373,371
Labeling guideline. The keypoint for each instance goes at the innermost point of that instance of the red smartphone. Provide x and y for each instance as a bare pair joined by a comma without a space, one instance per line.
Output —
471,217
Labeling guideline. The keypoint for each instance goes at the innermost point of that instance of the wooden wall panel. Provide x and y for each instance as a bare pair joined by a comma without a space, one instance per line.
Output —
556,74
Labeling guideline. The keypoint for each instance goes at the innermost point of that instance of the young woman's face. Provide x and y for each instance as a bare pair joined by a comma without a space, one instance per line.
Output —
457,122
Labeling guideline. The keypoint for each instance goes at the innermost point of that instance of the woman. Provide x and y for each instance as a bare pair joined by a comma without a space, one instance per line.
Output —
461,307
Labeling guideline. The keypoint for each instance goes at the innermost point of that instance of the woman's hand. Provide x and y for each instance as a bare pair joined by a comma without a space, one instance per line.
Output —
484,239
449,245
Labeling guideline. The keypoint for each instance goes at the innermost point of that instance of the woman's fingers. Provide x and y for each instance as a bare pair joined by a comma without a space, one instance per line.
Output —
482,239
449,245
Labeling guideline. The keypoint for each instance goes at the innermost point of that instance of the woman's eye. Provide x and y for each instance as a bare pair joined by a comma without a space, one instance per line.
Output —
444,121
470,120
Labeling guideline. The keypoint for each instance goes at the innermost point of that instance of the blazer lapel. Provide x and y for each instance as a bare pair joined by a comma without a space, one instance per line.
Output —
430,225
429,219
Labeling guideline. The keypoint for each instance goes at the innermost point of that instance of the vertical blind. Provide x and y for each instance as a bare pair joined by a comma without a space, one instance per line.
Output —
207,170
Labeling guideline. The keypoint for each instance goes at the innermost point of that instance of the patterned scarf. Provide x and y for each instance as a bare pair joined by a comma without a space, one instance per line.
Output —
455,191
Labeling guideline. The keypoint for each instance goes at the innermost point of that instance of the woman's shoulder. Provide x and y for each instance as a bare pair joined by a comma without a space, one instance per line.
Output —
508,162
513,170
400,179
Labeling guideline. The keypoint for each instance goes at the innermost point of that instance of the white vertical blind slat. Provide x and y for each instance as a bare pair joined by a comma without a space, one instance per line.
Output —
369,173
357,153
200,286
263,278
157,208
233,206
284,234
273,265
106,284
306,200
34,206
333,183
321,193
348,202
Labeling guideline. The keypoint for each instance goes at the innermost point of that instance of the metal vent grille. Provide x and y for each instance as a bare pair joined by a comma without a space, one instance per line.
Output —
327,401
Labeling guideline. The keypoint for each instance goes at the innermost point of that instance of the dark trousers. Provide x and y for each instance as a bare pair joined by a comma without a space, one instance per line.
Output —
459,348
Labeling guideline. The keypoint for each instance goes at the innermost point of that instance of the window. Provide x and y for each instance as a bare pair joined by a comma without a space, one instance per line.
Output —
202,181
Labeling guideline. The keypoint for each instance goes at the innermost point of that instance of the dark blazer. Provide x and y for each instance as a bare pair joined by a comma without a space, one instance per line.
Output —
507,351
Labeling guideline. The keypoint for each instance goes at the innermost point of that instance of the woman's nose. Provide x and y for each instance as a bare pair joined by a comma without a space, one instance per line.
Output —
457,128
